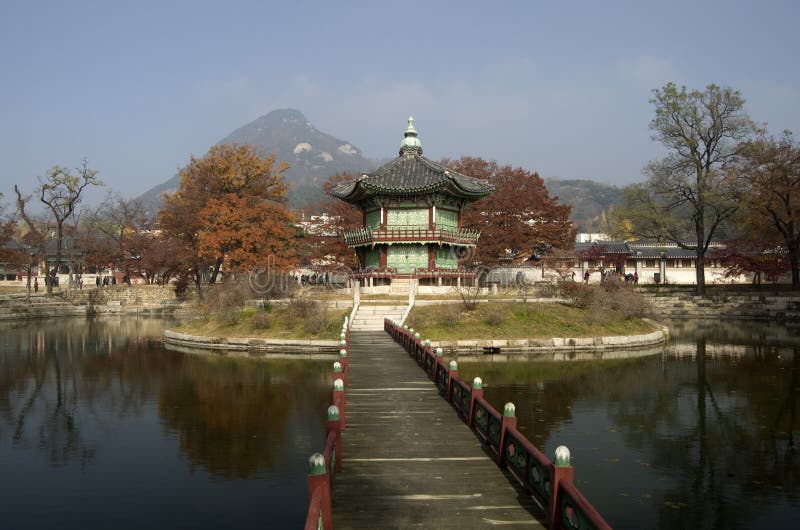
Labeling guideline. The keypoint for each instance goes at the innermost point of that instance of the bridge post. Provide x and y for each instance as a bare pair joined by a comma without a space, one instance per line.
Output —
453,372
318,480
509,421
334,424
337,372
477,391
343,360
339,401
562,472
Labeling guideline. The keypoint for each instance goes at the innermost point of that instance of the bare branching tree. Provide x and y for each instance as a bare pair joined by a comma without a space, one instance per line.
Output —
60,190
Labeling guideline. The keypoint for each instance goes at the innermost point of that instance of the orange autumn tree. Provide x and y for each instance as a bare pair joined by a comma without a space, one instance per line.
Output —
248,232
225,200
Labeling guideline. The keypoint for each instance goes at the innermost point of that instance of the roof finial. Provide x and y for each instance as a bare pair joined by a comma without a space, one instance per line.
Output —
411,143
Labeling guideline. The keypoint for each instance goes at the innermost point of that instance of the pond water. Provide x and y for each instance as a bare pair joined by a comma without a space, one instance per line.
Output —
679,440
100,427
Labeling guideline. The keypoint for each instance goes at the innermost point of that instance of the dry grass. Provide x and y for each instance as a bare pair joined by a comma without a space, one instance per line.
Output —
519,321
310,322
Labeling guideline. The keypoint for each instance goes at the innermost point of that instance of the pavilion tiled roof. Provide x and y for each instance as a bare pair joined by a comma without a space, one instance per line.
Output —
411,173
634,249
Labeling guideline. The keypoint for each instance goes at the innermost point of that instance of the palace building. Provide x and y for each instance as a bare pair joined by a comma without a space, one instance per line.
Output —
412,219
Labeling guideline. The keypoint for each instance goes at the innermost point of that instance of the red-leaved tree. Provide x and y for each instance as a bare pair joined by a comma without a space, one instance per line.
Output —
519,218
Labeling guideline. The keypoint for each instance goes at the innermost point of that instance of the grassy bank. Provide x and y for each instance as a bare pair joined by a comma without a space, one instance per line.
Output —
518,321
286,322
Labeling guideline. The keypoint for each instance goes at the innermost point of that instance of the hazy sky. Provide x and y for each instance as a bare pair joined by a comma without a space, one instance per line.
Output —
558,87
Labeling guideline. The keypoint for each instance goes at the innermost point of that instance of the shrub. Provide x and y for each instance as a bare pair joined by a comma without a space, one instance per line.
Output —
494,318
228,317
619,301
610,299
301,308
319,323
581,295
226,296
262,320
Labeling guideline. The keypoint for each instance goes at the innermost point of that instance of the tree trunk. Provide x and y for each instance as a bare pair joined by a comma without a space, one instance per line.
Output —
53,274
794,260
217,265
700,262
198,282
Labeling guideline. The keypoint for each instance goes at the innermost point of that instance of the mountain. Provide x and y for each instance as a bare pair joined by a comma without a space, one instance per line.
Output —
588,198
314,155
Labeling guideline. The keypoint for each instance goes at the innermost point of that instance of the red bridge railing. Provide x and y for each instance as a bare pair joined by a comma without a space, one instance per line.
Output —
551,484
322,467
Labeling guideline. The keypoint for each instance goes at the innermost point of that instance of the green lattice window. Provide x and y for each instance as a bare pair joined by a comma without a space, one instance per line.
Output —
373,258
406,258
447,219
446,257
407,217
373,220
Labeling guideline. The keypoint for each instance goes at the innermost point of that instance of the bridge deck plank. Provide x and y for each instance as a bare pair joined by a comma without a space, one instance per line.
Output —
408,460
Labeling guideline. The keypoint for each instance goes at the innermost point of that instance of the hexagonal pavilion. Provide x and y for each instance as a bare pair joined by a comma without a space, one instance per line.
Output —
412,217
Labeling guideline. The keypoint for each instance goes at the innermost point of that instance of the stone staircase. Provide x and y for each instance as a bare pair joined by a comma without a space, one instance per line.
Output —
370,317
17,307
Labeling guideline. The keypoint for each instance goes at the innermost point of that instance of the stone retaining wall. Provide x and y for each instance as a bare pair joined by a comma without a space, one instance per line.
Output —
252,347
761,305
139,295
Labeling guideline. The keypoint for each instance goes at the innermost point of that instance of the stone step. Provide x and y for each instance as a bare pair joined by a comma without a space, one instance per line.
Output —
360,321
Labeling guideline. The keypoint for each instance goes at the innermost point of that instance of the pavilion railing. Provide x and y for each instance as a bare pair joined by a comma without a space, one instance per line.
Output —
549,483
368,236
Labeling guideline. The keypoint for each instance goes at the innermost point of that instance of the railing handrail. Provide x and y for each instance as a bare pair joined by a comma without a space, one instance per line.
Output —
320,485
365,235
559,490
584,506
314,515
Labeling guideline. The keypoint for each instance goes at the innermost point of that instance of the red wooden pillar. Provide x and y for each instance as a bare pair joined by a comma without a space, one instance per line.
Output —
338,373
318,485
345,362
562,472
453,373
334,425
477,391
339,401
509,421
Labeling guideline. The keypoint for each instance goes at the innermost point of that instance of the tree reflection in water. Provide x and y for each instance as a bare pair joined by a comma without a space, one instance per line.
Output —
100,427
676,441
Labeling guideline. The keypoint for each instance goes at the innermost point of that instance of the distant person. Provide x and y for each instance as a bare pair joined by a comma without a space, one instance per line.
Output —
113,280
586,277
97,281
635,278
36,285
105,281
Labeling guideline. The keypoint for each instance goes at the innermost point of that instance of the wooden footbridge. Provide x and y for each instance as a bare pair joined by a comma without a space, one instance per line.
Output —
419,448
